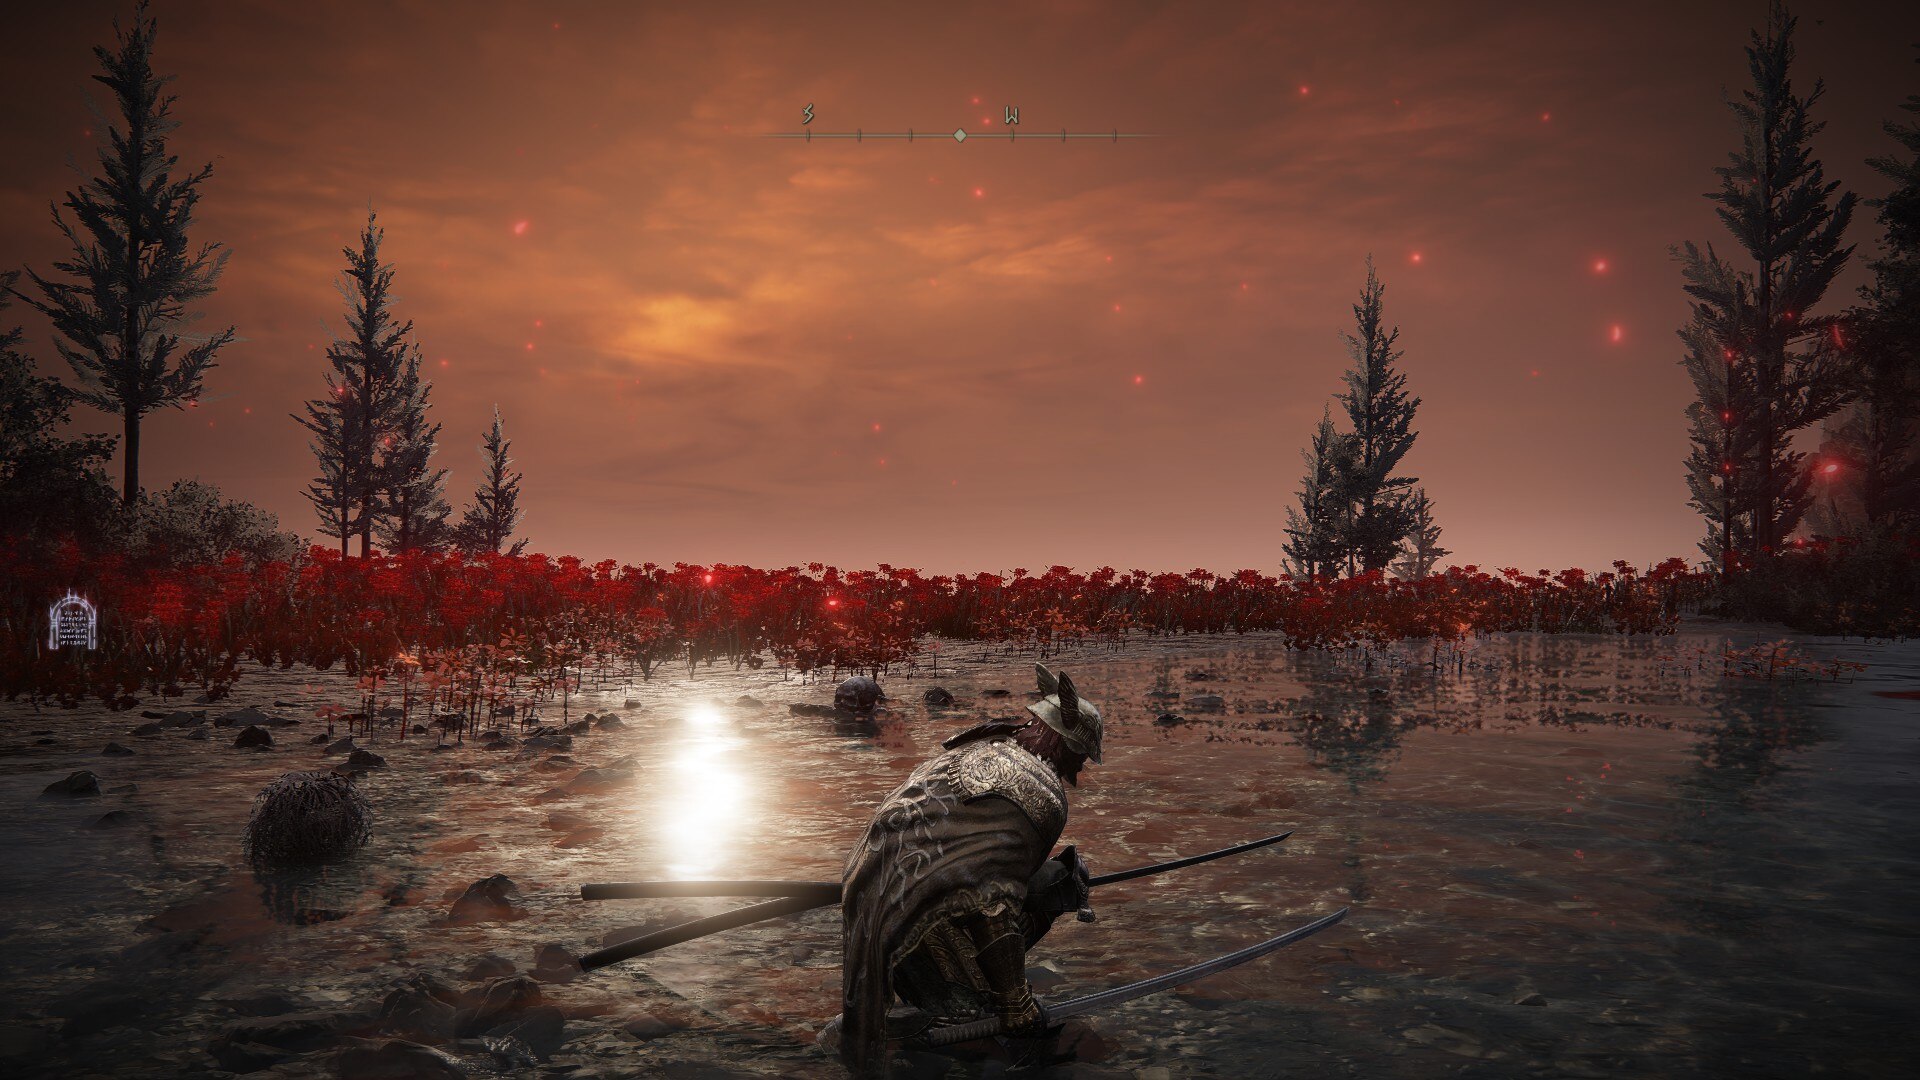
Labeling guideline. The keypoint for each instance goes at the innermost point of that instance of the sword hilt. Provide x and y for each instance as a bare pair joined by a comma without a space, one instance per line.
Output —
984,1028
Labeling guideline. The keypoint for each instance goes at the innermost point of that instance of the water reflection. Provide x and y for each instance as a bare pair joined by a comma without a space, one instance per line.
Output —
705,795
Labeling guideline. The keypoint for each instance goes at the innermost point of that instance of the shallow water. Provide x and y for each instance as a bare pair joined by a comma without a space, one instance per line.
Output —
1683,874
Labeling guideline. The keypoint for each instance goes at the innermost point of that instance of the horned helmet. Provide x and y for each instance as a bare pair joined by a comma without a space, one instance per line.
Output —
1065,711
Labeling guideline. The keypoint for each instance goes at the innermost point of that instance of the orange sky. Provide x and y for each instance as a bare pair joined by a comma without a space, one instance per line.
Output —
710,346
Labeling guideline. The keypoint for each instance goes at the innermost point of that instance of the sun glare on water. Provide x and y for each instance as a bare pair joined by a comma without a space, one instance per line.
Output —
704,797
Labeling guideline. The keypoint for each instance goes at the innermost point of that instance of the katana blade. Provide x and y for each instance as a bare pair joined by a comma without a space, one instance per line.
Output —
687,931
828,892
1191,860
987,1027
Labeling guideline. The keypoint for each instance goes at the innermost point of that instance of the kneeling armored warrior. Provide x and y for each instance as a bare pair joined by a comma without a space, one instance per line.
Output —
951,885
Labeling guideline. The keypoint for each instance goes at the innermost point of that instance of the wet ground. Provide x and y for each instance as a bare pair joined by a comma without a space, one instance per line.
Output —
1564,856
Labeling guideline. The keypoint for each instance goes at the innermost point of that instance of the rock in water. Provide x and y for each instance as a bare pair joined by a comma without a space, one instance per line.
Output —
305,818
556,964
254,736
859,695
939,697
488,898
114,749
343,746
247,717
365,759
490,966
503,1001
80,783
146,729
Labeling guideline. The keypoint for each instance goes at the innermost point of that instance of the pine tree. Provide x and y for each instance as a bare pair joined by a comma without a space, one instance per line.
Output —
1420,552
331,493
1316,526
496,502
363,399
1382,417
1875,451
120,320
1776,202
413,506
48,485
1722,466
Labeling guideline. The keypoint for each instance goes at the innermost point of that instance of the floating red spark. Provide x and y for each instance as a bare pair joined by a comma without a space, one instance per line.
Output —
520,228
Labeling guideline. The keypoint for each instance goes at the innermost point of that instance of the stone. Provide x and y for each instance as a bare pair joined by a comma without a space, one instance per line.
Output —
394,1059
113,819
648,1026
556,964
504,742
578,727
80,784
417,729
299,1032
1530,999
938,697
150,714
199,734
247,717
490,966
1207,702
114,749
598,779
858,694
319,738
341,746
254,737
464,776
183,719
748,701
609,722
365,759
501,1001
1167,719
123,789
541,1028
413,1012
488,898
147,729
549,742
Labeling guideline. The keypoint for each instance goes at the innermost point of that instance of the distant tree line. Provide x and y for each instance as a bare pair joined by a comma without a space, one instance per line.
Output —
120,306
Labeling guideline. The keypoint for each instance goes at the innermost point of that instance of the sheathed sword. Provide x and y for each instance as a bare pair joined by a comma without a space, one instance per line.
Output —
795,897
987,1027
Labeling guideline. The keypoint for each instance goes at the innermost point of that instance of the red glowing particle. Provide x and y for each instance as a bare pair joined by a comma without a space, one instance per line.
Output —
1600,266
538,323
833,602
520,228
876,426
443,363
1243,286
1414,258
1116,307
1830,468
1616,333
1303,91
708,578
976,101
1139,380
529,346
979,193
1534,373
883,463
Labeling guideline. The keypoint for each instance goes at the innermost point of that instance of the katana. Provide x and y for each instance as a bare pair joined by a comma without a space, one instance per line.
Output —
795,897
988,1027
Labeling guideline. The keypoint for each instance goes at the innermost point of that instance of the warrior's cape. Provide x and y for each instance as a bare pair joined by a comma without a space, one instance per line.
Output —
966,830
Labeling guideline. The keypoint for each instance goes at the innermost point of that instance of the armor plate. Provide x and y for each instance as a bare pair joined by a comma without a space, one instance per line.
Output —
1001,768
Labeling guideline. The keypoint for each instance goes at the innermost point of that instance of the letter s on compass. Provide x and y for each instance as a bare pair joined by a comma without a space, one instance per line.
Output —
807,114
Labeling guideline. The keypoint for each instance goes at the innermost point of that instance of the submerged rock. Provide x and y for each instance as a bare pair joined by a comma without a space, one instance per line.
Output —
501,1001
114,749
938,697
254,737
199,734
486,899
365,759
556,964
542,1029
82,783
1167,719
341,746
859,694
464,776
609,722
147,729
490,966
247,717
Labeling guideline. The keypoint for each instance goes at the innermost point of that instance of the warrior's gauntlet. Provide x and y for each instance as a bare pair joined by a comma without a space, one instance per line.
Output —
1003,962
